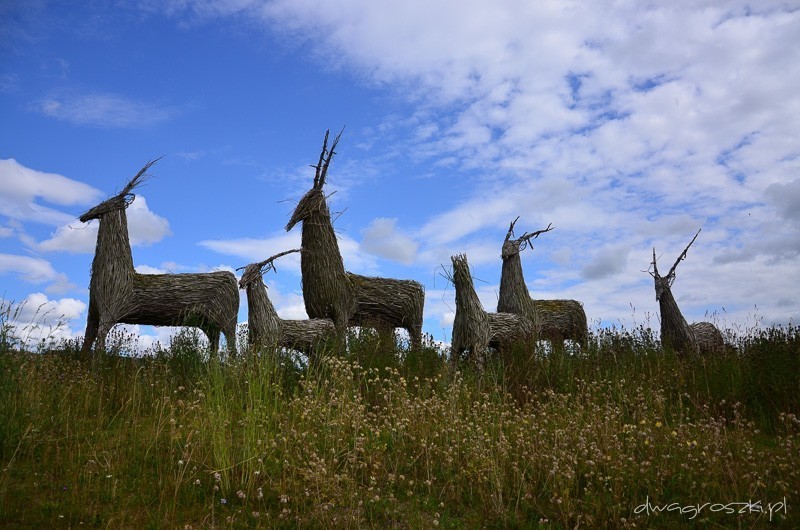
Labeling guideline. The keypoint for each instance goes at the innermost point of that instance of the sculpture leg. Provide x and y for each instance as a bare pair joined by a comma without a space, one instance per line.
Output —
92,323
213,339
230,339
415,334
102,333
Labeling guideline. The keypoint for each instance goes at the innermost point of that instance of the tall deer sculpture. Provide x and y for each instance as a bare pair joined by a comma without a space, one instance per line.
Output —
119,294
701,337
475,330
265,327
331,292
555,320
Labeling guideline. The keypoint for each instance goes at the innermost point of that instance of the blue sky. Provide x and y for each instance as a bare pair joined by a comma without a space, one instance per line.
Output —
626,125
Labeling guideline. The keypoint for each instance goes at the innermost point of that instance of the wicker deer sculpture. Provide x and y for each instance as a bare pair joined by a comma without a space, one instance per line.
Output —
475,330
698,338
265,327
555,320
119,294
346,298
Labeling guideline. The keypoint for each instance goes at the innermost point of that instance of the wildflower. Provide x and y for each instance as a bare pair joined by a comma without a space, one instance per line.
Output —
197,482
241,494
658,424
674,433
223,501
217,477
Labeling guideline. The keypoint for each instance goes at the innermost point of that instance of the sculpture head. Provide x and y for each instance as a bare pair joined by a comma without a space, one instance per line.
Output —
313,202
255,271
512,247
663,284
119,201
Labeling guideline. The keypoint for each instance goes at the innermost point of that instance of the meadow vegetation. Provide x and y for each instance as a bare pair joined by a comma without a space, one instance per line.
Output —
380,436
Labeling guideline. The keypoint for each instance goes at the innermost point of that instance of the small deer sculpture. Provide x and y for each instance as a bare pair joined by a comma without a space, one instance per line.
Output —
265,327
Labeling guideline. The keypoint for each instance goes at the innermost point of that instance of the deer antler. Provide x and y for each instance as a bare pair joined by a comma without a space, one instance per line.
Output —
526,238
511,230
260,268
138,179
325,158
671,273
654,274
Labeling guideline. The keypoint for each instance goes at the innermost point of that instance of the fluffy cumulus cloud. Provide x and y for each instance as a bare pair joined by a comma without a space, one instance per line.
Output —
381,238
21,189
144,228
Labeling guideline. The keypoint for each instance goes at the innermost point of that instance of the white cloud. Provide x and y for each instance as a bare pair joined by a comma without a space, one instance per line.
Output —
39,320
289,305
786,198
144,228
382,239
626,125
253,249
21,187
29,269
37,307
103,110
147,269
608,261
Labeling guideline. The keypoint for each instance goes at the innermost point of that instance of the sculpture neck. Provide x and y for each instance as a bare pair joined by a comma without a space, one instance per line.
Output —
466,298
263,320
321,253
514,296
675,331
112,255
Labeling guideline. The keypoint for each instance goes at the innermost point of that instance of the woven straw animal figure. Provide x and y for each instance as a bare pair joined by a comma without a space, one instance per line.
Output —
676,334
119,294
331,292
265,328
555,320
475,330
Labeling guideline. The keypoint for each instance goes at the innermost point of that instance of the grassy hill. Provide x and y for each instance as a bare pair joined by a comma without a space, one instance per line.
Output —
378,436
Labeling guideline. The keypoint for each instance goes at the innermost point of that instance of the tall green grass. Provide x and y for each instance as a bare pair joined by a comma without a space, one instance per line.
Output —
379,436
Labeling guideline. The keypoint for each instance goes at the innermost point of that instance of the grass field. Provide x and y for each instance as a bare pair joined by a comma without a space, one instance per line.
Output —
382,437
